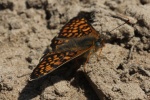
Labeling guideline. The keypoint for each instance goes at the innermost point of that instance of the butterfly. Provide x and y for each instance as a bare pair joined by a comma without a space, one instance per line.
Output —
76,38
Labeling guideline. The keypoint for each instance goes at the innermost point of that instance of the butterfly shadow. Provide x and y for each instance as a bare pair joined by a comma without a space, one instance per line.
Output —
36,87
32,89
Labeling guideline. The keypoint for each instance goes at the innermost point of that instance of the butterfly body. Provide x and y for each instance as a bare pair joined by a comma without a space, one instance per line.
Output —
76,38
76,44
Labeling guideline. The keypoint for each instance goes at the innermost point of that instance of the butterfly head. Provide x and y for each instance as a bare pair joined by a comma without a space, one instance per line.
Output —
100,42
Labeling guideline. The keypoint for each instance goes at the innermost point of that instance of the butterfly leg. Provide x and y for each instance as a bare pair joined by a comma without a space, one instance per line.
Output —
99,53
102,56
87,59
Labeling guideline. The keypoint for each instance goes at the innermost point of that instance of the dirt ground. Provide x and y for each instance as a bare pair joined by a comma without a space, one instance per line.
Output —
122,72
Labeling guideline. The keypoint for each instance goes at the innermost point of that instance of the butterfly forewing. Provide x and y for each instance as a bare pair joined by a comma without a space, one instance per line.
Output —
52,61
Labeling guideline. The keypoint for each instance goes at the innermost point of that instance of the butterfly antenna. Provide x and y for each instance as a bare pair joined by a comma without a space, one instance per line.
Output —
125,18
119,26
116,27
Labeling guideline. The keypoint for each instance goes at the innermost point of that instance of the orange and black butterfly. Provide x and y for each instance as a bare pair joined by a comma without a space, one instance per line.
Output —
76,38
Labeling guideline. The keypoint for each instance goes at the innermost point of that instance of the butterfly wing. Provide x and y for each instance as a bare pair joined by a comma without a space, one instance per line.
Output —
52,61
76,28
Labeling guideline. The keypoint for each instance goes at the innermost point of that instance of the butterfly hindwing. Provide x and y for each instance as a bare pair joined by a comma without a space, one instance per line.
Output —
76,28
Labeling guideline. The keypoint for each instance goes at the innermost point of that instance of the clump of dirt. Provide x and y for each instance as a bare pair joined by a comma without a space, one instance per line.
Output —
122,71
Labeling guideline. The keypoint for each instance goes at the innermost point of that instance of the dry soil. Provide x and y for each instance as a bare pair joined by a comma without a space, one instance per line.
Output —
121,72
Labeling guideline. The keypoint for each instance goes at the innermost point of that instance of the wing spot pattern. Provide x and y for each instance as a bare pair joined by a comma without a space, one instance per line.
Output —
77,27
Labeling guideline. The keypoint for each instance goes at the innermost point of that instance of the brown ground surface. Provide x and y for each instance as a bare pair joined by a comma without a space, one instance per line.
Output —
122,72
